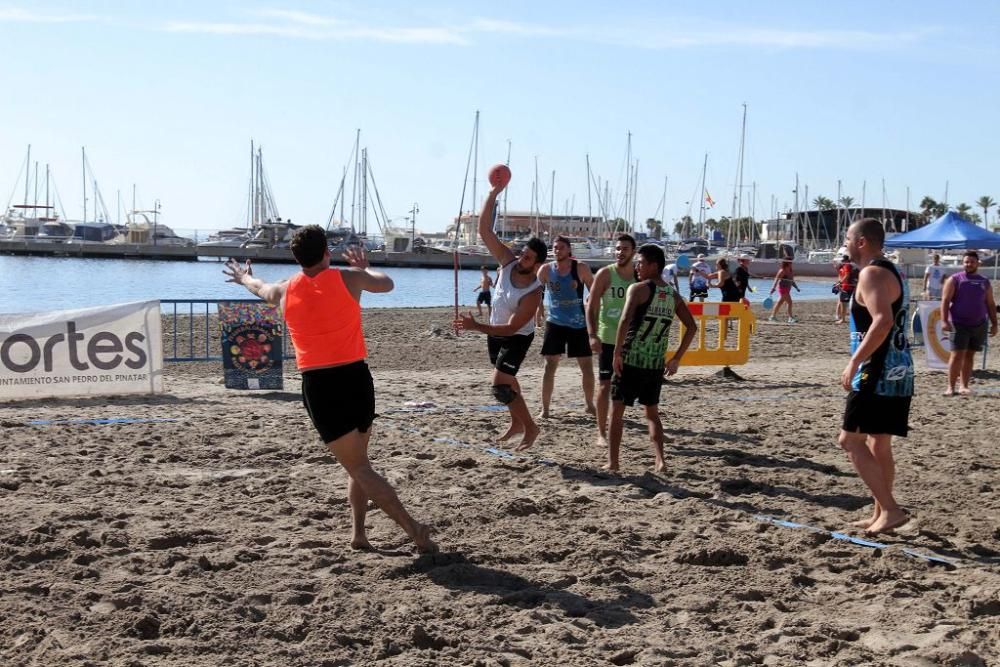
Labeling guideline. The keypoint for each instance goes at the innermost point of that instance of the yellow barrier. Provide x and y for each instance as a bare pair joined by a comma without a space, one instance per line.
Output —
700,354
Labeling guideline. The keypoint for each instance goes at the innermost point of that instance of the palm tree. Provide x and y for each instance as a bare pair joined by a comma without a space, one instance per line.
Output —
928,205
823,203
847,202
963,210
986,203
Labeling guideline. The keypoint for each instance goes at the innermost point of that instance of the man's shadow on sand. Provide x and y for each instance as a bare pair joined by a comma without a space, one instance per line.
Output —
453,570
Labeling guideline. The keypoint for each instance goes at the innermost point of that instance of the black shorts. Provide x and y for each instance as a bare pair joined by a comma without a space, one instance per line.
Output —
605,363
845,295
507,352
642,384
876,415
484,297
968,338
565,340
339,399
698,293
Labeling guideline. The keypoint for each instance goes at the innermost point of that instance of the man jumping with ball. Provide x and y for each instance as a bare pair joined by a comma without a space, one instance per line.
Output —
512,321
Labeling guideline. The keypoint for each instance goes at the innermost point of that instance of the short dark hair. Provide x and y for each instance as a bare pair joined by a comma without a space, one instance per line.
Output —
871,230
308,245
562,239
722,263
628,238
537,246
971,253
483,268
653,253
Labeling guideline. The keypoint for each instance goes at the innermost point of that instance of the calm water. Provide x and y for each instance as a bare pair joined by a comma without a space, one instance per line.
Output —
29,284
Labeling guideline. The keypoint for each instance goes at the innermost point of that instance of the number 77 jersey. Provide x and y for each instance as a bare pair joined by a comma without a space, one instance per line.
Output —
646,336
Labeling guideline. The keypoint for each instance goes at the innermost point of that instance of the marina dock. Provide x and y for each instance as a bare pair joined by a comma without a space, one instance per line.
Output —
424,260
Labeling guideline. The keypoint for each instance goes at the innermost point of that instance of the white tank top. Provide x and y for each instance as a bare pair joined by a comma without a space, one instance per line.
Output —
507,297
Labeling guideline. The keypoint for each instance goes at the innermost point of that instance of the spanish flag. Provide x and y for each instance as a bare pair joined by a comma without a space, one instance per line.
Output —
708,199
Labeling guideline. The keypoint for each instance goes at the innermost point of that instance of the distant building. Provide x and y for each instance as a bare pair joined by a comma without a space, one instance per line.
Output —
827,227
520,224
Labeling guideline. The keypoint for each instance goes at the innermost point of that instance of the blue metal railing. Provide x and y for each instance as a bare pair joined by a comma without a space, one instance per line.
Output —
212,335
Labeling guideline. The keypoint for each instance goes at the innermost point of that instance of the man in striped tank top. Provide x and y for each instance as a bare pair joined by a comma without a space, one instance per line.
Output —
512,320
604,309
640,350
322,309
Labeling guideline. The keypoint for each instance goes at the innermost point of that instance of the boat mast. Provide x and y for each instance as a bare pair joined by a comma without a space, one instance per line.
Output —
701,203
354,184
738,187
27,176
590,210
534,199
474,228
635,193
503,227
83,169
552,204
36,188
839,206
250,190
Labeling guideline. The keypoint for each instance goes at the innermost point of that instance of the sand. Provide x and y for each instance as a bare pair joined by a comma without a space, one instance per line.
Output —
220,537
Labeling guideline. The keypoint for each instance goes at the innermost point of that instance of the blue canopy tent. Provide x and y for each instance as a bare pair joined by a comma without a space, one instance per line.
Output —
950,231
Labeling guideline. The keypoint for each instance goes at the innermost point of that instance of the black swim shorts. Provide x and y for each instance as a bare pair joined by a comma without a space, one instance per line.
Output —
605,367
484,297
339,399
565,340
845,295
507,352
642,384
877,415
970,338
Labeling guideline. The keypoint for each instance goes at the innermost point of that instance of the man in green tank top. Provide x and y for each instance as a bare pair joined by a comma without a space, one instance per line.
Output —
640,349
604,309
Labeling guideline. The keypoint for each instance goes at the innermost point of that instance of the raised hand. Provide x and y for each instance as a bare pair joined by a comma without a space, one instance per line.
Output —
356,256
236,272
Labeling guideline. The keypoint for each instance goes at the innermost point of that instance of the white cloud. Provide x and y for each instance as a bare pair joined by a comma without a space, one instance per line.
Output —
305,25
17,15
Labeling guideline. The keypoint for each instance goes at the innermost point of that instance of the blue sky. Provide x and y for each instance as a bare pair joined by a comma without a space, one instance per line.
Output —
168,97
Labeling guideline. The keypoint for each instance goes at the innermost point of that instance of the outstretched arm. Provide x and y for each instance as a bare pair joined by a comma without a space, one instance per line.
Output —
243,275
360,277
526,308
500,252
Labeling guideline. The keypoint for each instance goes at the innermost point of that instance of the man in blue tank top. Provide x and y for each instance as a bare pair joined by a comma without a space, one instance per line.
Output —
566,322
879,376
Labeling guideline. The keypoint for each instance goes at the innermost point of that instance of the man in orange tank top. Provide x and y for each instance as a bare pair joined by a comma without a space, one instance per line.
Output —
322,313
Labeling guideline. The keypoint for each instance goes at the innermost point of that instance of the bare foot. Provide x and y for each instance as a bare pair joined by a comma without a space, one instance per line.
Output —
889,520
422,539
602,441
530,433
964,391
511,432
544,414
948,392
609,467
660,466
865,524
361,544
591,410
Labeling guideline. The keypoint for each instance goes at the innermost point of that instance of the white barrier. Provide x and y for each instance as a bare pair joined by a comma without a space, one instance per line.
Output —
92,351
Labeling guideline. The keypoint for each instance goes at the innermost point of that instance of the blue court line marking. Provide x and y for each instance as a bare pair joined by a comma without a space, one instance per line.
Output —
110,420
501,453
854,540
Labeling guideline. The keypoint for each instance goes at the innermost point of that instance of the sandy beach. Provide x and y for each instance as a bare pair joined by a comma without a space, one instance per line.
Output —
214,529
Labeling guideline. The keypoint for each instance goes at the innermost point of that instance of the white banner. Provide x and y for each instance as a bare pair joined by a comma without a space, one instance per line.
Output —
91,351
937,343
